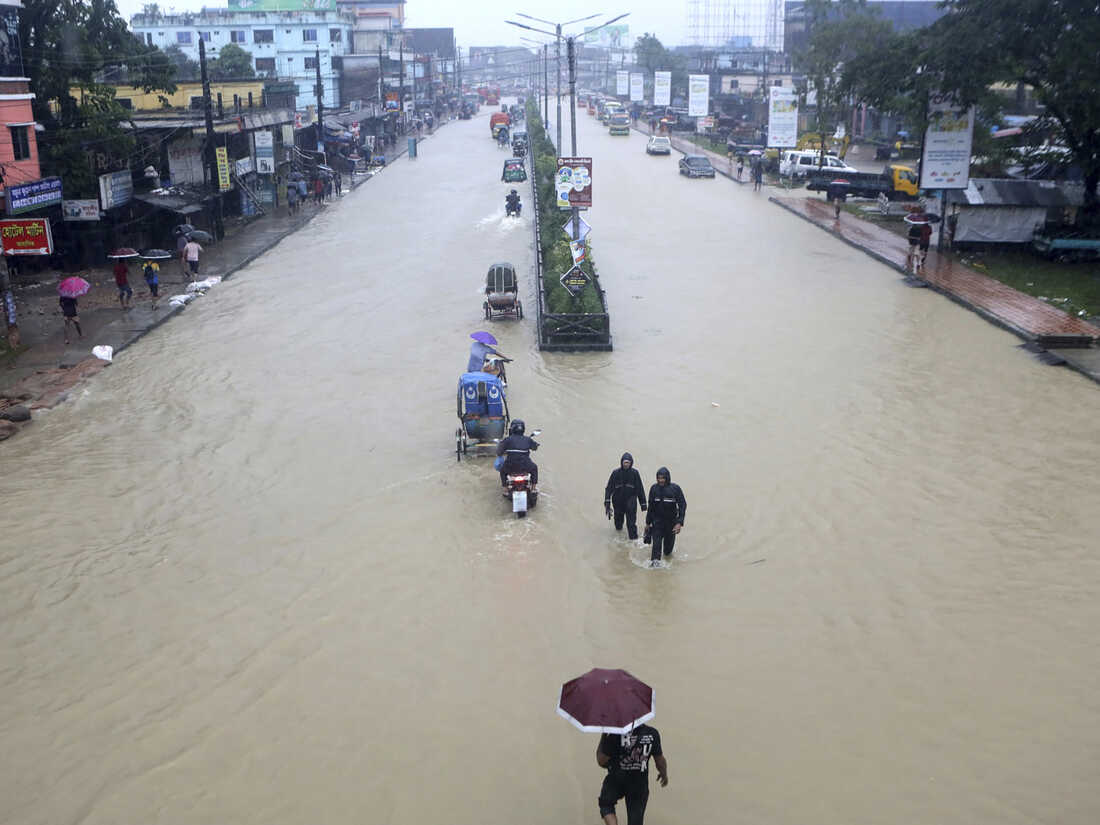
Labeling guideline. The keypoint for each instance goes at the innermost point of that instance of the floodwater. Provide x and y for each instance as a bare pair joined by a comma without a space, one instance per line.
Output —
244,580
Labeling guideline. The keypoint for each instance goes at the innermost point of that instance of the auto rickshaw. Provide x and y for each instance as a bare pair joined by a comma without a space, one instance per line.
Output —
514,171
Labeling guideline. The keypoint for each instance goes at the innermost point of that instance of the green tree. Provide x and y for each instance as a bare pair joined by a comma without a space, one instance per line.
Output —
838,32
186,68
67,46
650,53
232,63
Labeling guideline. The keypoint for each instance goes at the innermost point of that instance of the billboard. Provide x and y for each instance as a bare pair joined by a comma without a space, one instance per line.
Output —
698,95
26,236
782,117
608,37
637,86
622,83
662,88
945,163
573,182
38,194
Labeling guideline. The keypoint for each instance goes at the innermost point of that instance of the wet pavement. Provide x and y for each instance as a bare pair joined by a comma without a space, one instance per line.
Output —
1024,315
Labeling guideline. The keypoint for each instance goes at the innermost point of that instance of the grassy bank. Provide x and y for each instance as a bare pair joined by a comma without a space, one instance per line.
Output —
556,257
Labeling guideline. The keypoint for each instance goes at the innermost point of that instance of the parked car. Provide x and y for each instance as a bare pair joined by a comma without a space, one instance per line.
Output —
658,145
800,163
696,166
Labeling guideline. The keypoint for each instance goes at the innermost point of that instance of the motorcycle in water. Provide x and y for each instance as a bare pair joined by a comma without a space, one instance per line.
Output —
512,209
522,492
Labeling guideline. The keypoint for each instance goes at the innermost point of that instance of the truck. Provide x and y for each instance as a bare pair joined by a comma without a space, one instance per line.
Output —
618,123
897,182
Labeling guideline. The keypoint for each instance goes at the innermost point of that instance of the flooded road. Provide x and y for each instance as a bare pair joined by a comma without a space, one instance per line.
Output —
244,580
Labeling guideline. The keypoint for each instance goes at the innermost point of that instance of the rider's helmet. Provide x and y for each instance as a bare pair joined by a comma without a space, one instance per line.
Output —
516,427
513,192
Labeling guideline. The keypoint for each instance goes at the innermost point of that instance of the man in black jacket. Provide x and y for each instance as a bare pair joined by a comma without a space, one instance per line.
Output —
665,519
624,491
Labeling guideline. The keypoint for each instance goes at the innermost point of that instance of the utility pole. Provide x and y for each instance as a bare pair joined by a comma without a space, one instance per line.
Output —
320,89
572,56
211,159
381,88
545,84
401,80
9,308
557,70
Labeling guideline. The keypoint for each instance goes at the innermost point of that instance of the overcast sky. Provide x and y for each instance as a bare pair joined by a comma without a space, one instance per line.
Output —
480,22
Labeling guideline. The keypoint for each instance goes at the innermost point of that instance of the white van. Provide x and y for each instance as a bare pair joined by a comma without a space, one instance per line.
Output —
800,163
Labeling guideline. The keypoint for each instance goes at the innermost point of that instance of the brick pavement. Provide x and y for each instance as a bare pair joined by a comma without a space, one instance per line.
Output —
1026,316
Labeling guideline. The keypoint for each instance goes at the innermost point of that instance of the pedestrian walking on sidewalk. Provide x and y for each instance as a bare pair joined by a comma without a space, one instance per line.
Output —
122,281
291,198
151,271
740,166
181,242
318,191
303,192
338,183
68,309
191,253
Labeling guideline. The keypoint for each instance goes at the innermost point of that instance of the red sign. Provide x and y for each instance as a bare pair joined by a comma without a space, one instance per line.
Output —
27,236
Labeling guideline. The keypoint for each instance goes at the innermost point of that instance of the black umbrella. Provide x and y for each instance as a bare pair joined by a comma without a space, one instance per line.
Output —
156,255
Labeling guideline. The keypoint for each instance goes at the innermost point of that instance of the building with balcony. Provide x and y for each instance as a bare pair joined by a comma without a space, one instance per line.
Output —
287,39
18,142
376,23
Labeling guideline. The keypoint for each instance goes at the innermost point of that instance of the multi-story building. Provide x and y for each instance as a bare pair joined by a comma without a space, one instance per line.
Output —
18,144
376,23
287,39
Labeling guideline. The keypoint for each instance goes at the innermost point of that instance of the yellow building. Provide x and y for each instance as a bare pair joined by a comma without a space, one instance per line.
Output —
187,95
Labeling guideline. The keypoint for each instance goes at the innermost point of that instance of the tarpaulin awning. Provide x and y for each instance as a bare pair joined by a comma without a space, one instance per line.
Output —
180,204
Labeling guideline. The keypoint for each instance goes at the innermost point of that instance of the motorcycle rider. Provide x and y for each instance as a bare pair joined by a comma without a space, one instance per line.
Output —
516,449
624,490
665,519
512,203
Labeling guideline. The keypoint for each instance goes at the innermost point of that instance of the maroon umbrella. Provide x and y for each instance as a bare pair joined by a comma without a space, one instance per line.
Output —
606,701
123,252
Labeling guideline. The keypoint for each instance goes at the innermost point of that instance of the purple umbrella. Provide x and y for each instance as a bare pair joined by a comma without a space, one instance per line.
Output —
484,337
73,287
606,701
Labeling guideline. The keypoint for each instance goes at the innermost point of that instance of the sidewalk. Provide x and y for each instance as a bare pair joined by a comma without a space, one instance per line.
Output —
42,374
1029,318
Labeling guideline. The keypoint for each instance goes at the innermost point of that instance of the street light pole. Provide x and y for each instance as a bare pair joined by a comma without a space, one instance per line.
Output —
557,71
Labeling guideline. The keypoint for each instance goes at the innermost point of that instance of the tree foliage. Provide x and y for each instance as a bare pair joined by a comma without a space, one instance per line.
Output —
232,63
187,70
69,48
652,55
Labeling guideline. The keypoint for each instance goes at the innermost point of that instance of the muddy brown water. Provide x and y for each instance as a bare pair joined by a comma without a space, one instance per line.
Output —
243,579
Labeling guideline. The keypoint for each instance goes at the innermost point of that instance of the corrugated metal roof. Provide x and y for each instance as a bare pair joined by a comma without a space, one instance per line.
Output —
1009,192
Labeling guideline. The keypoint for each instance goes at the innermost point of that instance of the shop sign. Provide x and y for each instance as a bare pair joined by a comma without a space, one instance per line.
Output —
573,182
948,143
575,280
38,194
242,166
80,210
26,236
221,155
116,189
265,153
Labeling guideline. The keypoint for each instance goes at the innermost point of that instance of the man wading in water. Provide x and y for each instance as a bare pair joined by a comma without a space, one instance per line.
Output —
626,757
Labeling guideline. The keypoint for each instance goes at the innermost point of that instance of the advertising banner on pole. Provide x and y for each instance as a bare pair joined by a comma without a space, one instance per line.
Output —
945,163
578,250
782,118
26,236
575,280
637,86
567,228
622,83
662,88
573,182
221,155
698,95
265,152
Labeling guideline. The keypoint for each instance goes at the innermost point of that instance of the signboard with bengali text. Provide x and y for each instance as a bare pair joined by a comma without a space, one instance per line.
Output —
573,182
116,189
26,236
221,155
80,210
38,194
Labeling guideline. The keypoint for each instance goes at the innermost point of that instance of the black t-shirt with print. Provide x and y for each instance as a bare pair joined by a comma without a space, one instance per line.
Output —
630,752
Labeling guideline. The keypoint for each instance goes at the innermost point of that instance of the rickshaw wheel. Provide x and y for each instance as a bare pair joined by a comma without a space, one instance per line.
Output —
458,445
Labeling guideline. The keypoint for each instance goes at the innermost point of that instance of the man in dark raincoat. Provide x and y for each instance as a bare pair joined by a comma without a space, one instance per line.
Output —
624,492
665,519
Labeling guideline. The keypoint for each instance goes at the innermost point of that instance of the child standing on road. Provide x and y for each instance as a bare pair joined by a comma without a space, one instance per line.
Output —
151,270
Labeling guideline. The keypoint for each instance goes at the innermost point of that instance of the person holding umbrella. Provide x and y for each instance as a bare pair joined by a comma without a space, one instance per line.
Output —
479,350
617,704
70,289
